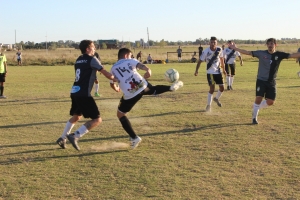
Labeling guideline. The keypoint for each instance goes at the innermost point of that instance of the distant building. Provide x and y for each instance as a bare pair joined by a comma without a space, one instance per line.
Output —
6,46
111,44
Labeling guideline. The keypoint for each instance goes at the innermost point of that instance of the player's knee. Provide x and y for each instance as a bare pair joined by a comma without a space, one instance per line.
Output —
120,114
270,102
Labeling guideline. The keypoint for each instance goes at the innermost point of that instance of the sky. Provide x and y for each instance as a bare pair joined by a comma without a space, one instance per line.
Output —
171,20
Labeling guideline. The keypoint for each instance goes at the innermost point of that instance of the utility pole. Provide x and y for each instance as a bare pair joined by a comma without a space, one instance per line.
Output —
15,38
46,42
148,38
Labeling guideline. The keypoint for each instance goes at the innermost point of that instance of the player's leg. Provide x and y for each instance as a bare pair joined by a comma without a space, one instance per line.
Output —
228,76
261,89
232,70
2,80
219,81
124,107
211,84
159,89
89,109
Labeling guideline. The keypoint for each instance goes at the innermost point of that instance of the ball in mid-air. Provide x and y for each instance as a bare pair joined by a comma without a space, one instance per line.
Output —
171,75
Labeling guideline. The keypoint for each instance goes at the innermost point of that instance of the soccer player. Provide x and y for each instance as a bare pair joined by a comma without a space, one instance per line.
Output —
3,73
268,64
96,83
139,56
133,86
213,56
86,67
179,51
19,57
229,58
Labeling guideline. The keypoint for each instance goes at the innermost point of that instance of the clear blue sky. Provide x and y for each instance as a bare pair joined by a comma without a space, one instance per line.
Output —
170,20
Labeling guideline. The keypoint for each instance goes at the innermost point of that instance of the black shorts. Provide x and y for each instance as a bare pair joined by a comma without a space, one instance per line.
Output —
230,69
266,89
2,77
179,55
215,79
85,106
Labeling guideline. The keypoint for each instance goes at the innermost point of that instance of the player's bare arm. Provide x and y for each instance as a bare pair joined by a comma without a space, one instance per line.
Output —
223,66
295,55
114,86
241,60
197,67
108,75
144,67
233,46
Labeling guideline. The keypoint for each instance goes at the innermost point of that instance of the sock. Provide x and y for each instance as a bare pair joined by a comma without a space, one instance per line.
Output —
255,111
263,104
81,131
127,126
96,87
231,80
219,94
1,90
228,80
209,98
67,130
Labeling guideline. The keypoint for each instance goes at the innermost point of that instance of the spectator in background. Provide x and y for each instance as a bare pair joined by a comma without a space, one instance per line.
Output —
96,82
298,60
19,57
200,49
179,51
149,59
139,56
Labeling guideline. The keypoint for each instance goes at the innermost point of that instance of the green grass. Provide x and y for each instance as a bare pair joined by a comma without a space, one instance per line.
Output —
185,153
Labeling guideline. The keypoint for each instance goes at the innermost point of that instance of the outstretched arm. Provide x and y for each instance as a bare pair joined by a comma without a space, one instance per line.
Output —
144,67
241,60
295,55
197,67
233,46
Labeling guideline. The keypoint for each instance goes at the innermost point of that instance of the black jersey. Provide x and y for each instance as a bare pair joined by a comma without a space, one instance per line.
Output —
268,64
86,68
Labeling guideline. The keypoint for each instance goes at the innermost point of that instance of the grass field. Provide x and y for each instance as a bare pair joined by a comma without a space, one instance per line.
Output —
185,153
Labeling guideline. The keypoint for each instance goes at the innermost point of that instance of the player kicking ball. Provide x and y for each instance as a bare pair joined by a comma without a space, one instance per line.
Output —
133,86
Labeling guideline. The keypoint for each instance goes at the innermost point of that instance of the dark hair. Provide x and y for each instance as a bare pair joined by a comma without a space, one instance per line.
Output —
84,44
213,38
122,52
229,41
271,40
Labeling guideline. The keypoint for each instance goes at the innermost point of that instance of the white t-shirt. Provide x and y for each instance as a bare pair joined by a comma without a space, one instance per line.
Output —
231,60
130,81
206,55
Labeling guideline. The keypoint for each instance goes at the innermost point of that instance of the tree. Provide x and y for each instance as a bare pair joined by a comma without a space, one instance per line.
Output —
103,46
162,43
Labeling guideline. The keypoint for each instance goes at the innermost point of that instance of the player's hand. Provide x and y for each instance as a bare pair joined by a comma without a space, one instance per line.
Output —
117,88
196,73
147,74
241,63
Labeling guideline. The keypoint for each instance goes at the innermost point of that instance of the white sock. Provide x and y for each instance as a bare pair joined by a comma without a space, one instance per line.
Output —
219,94
67,129
255,111
81,131
231,80
263,104
228,80
209,98
96,87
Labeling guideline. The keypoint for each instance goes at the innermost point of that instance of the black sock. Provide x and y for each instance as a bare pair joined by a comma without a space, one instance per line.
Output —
158,89
1,90
127,126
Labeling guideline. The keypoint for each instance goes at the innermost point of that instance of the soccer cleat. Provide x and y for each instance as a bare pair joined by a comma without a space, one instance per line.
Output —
231,88
207,109
218,102
135,142
254,121
2,97
175,86
74,141
62,142
97,94
228,87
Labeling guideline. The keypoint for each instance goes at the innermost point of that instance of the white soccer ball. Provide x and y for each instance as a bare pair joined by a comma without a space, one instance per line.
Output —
171,75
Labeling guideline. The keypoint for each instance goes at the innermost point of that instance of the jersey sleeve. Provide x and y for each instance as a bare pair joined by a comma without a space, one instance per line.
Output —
284,55
203,56
256,53
96,64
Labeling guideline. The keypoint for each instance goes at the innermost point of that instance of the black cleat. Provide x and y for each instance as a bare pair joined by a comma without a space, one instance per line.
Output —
62,143
218,102
228,87
254,121
231,88
73,140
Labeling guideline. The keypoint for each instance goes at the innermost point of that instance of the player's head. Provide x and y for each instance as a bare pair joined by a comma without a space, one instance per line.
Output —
213,42
124,53
87,46
271,44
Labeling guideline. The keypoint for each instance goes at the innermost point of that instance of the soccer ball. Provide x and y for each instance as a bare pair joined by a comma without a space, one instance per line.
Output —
171,75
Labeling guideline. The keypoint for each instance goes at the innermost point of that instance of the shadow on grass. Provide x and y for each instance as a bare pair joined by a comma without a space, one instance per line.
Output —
44,158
